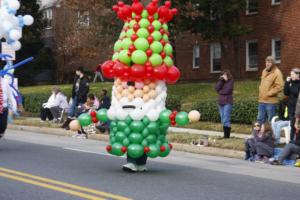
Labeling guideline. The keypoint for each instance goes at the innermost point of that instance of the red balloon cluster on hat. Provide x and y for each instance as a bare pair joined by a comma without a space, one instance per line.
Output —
111,69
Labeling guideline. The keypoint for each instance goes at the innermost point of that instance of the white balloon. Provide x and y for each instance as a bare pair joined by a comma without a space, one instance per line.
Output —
15,34
16,46
121,114
13,4
137,114
153,115
111,114
7,25
28,20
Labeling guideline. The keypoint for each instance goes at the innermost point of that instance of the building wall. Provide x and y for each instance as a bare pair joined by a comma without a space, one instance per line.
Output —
272,21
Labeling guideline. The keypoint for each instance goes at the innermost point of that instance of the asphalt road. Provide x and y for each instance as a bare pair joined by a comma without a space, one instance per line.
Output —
32,164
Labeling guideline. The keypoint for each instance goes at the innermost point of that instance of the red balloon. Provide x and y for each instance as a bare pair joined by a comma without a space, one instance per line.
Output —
93,114
174,11
124,149
115,8
163,54
94,120
149,52
173,75
127,11
107,69
119,69
137,7
148,64
163,12
171,146
132,48
146,149
150,18
172,116
138,71
151,28
163,42
121,3
134,37
138,18
159,72
150,39
108,148
173,123
169,16
152,8
136,27
168,4
162,148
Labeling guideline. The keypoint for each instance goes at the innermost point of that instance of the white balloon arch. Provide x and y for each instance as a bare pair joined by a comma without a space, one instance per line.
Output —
11,25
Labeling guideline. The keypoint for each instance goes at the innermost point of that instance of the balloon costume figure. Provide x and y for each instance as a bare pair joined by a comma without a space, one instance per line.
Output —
141,66
11,30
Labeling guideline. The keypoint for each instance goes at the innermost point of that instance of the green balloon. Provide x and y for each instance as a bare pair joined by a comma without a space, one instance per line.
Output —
182,118
122,125
139,57
168,49
115,129
145,14
113,124
143,33
165,27
85,119
136,138
169,61
129,33
153,127
156,35
156,24
166,37
126,142
135,150
128,120
166,152
151,139
102,115
133,15
141,44
154,151
156,16
158,143
144,23
120,136
146,121
137,126
164,128
145,143
124,58
156,47
112,140
117,46
156,60
132,23
162,138
145,132
126,43
116,149
115,56
127,131
123,34
164,116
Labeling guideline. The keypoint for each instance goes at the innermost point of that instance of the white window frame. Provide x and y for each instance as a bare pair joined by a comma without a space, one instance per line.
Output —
247,56
196,54
275,3
274,40
247,9
84,19
212,46
48,16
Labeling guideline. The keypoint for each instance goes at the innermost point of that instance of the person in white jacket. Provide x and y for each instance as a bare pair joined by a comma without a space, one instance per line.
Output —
54,106
7,102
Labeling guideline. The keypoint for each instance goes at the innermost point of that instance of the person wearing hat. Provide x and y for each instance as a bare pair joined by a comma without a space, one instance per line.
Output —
6,102
291,89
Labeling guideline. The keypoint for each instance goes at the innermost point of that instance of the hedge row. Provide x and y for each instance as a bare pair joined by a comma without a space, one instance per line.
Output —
243,111
34,101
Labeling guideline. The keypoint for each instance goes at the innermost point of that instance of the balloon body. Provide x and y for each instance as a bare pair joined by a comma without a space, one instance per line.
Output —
194,116
85,119
182,118
75,125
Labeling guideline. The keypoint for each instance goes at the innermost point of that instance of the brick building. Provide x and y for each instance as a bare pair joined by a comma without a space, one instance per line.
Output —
276,28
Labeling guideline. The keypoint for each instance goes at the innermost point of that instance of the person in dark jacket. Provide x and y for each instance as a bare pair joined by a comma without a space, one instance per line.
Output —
291,89
105,100
80,91
224,87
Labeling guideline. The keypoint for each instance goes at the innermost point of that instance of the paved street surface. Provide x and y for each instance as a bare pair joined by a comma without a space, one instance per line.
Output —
36,166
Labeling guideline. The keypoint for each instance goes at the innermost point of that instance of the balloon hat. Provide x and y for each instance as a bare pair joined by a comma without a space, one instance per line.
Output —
143,49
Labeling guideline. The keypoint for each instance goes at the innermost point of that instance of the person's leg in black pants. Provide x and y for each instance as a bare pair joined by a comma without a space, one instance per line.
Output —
46,113
293,129
136,164
3,122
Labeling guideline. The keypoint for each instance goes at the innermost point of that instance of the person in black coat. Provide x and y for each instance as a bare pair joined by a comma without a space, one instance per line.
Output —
291,89
80,92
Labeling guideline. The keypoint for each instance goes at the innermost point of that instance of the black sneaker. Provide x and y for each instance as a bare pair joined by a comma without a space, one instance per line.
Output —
276,162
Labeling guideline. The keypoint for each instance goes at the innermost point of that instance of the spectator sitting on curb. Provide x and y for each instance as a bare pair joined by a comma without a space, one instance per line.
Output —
104,103
54,106
260,146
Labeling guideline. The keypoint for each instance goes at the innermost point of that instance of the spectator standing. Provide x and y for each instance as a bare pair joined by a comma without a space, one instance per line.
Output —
98,74
291,89
6,101
270,86
224,88
283,121
80,91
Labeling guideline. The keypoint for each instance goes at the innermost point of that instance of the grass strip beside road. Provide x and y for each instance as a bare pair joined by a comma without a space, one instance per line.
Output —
59,186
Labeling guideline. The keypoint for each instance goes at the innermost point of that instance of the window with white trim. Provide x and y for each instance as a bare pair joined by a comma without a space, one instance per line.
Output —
215,57
276,49
48,17
251,7
276,2
251,55
196,57
83,18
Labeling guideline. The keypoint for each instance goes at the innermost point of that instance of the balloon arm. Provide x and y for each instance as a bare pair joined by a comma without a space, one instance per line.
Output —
3,72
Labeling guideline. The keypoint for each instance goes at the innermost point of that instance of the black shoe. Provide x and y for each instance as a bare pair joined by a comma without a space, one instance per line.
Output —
276,162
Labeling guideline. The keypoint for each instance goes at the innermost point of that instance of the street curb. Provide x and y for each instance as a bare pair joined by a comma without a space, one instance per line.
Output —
176,146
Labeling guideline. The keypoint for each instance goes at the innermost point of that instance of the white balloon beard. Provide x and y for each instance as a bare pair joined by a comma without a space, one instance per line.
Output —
137,109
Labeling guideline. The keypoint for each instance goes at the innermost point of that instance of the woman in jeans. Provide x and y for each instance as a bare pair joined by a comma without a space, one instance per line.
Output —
224,87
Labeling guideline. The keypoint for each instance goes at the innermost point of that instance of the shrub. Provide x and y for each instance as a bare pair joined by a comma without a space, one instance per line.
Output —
243,111
173,102
33,102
